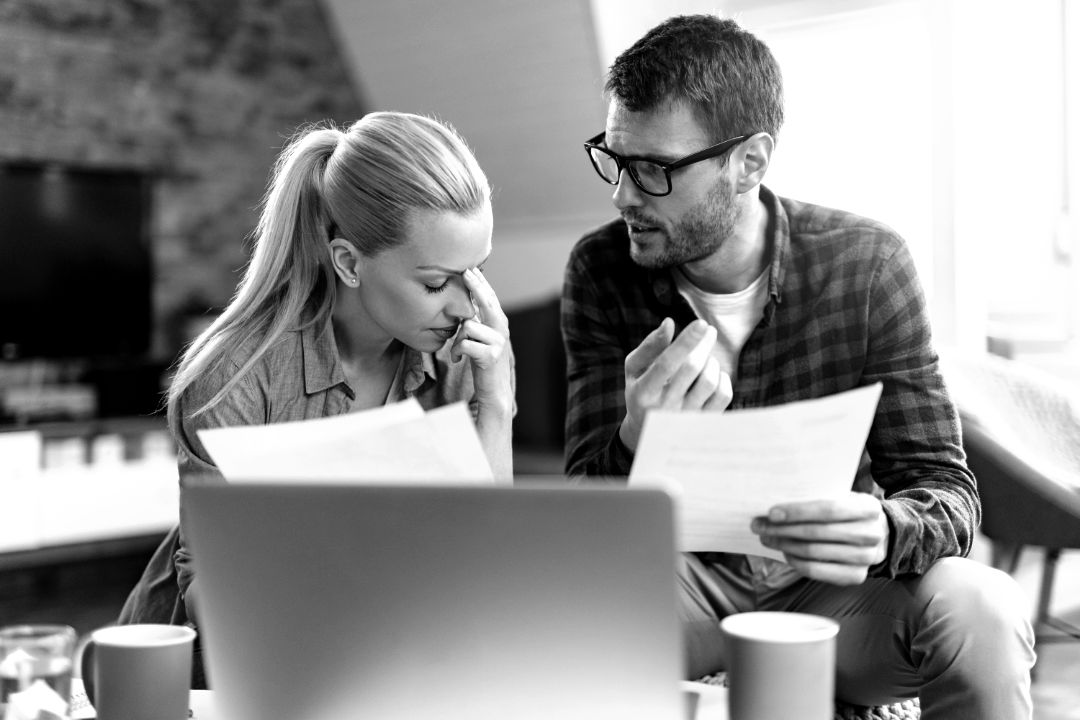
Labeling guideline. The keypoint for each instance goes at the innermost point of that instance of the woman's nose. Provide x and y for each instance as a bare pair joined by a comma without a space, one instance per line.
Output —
460,303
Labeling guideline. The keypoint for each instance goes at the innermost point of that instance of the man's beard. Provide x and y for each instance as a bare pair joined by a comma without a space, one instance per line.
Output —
699,234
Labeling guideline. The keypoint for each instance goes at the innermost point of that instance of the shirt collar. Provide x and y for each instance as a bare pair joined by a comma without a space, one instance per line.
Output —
323,370
322,367
418,367
778,235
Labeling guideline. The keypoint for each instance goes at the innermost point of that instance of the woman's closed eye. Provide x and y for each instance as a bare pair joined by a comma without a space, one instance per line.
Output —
437,287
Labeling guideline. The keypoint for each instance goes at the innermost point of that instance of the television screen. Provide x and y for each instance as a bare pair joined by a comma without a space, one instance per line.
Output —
75,274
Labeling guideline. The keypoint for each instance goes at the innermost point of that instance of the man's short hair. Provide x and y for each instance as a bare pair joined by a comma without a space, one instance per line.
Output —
727,75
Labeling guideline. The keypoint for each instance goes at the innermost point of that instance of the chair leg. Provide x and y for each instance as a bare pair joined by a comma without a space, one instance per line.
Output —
1005,555
1043,618
1046,587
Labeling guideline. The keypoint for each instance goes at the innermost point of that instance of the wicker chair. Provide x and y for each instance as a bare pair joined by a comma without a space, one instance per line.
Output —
906,710
1022,436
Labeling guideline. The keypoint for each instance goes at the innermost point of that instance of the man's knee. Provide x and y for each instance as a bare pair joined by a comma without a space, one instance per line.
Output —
974,645
968,594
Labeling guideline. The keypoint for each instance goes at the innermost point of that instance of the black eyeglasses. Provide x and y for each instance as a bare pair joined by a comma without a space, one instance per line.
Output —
651,177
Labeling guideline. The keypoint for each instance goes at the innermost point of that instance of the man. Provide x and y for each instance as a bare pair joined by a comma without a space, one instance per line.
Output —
791,301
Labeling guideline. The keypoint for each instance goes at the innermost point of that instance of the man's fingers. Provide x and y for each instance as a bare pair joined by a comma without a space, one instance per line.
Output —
853,506
704,387
829,572
862,552
641,358
692,345
678,367
722,395
857,533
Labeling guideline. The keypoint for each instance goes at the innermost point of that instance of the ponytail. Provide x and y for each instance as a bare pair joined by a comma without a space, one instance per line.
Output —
287,283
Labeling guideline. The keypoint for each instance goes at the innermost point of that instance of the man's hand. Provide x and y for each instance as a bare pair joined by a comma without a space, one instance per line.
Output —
835,541
679,374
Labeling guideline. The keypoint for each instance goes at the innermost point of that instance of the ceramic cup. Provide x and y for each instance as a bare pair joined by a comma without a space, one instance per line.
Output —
139,672
780,665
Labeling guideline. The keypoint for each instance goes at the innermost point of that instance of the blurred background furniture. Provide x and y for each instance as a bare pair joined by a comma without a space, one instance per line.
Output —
1021,430
540,368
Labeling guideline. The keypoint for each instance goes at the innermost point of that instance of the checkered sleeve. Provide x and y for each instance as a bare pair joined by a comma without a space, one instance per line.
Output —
595,377
915,448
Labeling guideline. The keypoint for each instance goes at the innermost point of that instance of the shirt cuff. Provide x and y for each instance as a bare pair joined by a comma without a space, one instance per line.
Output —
621,459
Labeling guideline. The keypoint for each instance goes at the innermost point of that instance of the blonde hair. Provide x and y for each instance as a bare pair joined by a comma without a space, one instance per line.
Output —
360,183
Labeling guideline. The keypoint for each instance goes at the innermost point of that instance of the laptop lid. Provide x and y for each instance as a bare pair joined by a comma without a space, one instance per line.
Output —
330,602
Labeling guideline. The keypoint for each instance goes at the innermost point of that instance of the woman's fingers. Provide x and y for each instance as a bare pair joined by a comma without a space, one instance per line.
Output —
455,346
488,309
485,345
484,337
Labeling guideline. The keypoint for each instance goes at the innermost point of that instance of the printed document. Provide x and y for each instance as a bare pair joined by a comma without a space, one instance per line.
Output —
725,469
391,444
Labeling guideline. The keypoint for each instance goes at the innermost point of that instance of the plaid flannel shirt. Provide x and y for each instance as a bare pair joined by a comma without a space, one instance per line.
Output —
845,309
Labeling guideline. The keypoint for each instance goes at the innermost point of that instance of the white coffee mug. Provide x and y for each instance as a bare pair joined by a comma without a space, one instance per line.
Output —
139,672
780,665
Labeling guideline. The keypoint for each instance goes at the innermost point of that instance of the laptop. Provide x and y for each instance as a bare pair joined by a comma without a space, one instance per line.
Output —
324,602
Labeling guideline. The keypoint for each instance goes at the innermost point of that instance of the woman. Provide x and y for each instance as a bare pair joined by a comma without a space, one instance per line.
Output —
364,288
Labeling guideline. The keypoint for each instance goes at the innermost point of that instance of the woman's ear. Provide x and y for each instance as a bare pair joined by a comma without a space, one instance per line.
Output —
346,261
755,157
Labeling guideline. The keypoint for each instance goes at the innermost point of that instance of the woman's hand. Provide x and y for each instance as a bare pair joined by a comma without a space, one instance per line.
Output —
485,340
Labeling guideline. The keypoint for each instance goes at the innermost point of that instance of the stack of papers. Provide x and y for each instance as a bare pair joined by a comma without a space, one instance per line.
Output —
725,469
389,444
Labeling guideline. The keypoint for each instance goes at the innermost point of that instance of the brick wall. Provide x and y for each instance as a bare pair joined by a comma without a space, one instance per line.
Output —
200,93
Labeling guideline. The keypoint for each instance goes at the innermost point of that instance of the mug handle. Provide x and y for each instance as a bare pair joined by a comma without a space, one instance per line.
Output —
86,668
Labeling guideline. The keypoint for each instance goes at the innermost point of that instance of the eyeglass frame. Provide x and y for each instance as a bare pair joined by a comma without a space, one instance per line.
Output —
622,162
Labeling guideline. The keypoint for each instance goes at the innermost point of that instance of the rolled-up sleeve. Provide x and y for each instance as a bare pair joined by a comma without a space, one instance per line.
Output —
914,445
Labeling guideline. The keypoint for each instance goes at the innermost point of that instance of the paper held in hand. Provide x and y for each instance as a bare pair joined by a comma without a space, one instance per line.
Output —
727,468
390,444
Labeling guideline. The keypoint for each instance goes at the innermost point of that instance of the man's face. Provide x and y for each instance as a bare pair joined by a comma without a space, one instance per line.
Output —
699,214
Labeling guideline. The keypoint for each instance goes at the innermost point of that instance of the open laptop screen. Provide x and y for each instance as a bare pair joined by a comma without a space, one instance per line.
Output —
451,602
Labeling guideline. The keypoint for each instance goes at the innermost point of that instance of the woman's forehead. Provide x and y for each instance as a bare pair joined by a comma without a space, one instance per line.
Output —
447,240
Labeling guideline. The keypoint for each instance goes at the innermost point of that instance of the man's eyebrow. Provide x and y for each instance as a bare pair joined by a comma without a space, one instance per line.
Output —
659,157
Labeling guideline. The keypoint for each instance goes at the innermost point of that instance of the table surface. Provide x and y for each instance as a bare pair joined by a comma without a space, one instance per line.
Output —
711,702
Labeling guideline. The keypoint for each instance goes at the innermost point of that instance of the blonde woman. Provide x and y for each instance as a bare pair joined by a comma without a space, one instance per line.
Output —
364,288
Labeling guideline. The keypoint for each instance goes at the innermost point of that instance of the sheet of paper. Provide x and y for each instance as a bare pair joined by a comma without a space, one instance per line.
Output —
708,702
727,468
390,444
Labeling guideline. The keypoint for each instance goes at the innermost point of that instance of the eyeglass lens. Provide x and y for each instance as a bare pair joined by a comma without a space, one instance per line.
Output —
649,176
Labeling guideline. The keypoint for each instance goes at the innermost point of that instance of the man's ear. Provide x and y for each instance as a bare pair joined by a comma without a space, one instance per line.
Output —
754,157
346,261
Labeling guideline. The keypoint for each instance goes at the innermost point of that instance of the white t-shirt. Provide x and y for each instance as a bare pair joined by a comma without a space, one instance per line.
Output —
734,315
